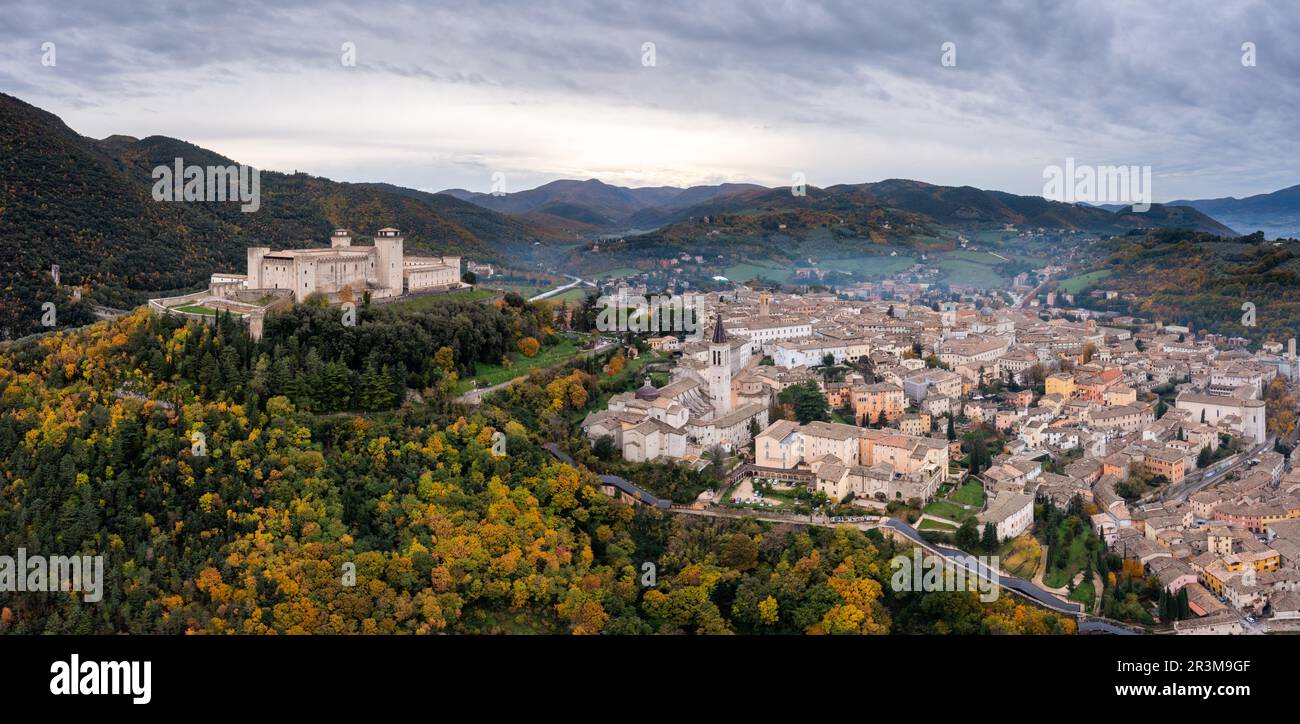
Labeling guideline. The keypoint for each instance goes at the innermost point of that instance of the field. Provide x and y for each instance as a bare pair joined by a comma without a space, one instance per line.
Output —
872,266
970,268
196,309
988,236
745,272
431,301
1076,284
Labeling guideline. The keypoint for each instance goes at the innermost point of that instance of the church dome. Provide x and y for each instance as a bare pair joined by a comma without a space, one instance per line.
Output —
647,392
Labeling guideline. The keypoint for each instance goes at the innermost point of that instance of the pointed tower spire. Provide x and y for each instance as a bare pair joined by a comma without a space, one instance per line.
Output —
719,334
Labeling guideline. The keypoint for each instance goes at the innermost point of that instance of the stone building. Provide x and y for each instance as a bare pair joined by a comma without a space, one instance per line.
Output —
381,270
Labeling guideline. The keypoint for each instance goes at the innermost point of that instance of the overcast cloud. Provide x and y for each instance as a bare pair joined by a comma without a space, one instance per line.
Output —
446,94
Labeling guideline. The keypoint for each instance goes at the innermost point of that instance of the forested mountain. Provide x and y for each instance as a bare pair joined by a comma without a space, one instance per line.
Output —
962,207
593,205
86,205
1201,281
314,459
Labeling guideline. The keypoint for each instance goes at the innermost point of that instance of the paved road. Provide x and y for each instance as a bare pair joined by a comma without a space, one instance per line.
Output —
1011,583
818,521
1090,625
577,282
1020,305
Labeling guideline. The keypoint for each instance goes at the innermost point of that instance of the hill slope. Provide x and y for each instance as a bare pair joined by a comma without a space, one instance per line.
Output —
593,205
86,205
849,220
1200,280
961,207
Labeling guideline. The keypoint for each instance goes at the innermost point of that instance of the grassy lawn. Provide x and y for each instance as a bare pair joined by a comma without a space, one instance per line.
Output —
1019,556
991,235
1076,284
522,288
872,266
196,309
951,511
966,272
432,301
622,271
1084,594
975,257
928,524
1076,560
970,493
496,374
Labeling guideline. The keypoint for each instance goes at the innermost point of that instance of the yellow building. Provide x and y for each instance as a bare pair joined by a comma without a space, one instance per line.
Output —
1060,384
1216,574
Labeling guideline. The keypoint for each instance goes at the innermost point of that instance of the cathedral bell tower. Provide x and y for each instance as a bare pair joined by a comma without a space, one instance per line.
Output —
720,368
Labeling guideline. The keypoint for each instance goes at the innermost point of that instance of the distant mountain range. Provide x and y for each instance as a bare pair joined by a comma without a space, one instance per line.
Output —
868,210
1277,214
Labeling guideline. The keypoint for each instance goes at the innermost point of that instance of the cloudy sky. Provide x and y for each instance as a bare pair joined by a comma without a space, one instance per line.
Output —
446,94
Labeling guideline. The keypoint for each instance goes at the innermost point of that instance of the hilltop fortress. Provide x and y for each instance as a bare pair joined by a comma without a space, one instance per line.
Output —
341,273
382,270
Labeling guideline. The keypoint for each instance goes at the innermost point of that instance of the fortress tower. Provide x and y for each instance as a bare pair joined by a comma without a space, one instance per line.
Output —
388,260
255,255
341,239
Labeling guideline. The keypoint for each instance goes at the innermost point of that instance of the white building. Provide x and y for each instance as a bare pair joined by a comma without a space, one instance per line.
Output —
1245,417
1011,513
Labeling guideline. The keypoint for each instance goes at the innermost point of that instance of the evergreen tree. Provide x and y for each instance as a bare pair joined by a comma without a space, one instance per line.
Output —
990,538
967,536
